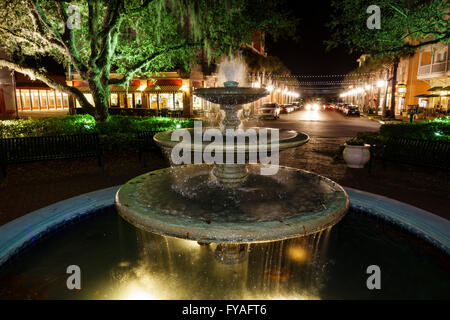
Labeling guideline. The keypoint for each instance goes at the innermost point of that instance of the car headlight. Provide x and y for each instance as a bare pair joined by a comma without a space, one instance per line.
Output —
308,107
316,107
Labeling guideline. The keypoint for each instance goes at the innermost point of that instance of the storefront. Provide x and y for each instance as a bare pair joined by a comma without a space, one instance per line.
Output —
164,97
42,99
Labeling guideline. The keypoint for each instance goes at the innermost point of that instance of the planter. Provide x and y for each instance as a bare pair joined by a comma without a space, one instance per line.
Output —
356,156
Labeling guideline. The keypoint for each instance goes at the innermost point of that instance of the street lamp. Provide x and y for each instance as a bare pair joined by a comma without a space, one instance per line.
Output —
381,83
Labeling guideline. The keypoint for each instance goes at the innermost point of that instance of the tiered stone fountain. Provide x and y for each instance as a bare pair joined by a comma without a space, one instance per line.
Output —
232,204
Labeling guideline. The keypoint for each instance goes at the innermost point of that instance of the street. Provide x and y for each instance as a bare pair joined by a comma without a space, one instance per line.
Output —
321,124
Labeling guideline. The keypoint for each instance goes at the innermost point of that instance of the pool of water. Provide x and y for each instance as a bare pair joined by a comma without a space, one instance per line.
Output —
118,261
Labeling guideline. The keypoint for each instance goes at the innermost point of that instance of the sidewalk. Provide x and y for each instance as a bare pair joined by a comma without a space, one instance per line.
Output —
32,186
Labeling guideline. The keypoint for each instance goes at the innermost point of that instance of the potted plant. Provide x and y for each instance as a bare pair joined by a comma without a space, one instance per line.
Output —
356,153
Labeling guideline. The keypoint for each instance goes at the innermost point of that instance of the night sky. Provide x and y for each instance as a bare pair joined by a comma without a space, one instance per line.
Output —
308,56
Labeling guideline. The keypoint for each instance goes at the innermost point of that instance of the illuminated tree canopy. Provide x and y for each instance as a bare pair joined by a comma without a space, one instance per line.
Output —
129,37
405,25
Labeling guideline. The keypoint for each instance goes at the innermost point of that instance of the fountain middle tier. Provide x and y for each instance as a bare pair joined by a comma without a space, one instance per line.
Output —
230,150
184,202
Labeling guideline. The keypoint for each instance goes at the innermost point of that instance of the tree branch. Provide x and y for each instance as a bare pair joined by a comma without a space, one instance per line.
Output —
146,62
68,40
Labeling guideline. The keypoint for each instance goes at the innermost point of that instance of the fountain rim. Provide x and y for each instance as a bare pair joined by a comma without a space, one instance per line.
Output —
297,140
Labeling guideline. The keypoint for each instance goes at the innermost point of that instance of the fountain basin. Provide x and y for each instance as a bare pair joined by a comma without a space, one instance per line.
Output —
183,202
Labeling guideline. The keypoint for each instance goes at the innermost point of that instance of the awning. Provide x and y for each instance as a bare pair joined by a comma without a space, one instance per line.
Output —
427,96
152,89
163,89
435,89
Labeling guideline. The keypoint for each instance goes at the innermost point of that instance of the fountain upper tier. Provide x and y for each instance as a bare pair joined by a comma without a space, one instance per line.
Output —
231,95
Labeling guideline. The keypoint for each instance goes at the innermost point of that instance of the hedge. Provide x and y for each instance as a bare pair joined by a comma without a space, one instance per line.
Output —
438,129
118,133
430,130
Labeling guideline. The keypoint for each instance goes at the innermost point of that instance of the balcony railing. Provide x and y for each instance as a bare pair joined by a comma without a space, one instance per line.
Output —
434,69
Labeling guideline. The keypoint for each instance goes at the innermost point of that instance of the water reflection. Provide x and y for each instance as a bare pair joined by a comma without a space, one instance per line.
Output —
170,268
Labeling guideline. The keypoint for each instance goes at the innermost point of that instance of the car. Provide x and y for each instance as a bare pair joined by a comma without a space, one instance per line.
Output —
352,110
269,110
287,108
296,105
342,107
327,107
312,107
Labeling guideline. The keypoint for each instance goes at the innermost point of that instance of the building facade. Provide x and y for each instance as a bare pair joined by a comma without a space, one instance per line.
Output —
423,79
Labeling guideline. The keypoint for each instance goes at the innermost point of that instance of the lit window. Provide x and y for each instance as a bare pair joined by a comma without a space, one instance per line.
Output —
114,100
138,100
19,100
51,100
44,102
35,99
66,100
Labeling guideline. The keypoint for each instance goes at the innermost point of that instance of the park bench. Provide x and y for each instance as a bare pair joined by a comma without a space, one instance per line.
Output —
146,144
30,149
418,152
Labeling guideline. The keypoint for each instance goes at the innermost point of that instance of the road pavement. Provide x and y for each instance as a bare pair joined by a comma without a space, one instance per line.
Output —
320,124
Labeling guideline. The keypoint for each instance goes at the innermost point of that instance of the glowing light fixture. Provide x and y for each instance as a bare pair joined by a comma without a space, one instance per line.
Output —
381,83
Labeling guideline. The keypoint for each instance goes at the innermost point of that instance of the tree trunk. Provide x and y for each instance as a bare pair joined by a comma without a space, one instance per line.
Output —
383,110
100,94
393,88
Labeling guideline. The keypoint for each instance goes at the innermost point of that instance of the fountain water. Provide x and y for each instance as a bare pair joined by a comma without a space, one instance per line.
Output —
232,203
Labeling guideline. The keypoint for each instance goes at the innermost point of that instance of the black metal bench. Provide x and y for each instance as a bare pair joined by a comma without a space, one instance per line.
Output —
427,153
29,149
146,144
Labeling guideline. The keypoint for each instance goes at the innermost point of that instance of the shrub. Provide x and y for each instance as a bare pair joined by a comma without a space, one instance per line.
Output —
438,129
372,138
354,142
118,133
47,126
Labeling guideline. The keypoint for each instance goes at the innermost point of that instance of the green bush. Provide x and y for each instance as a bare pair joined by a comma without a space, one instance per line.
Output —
372,138
118,133
354,142
430,130
47,126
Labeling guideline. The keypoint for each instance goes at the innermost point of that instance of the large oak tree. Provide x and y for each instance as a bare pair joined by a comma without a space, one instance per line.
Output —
129,37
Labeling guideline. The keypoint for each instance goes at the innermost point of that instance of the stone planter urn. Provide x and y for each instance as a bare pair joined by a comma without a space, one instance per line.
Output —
356,156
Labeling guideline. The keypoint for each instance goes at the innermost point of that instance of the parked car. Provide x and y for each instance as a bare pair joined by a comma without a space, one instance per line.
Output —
269,110
328,107
342,107
287,108
296,105
352,110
